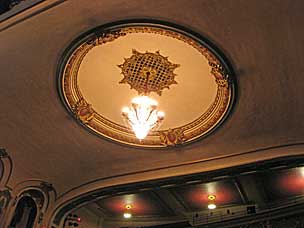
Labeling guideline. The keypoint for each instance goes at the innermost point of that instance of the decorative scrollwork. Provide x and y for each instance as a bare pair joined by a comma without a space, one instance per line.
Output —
3,153
218,71
47,187
172,137
5,197
83,111
106,37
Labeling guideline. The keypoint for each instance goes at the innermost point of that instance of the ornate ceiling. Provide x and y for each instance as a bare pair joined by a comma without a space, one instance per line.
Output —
263,41
190,80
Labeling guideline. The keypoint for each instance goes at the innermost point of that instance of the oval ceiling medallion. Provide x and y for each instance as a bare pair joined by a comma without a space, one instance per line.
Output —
104,69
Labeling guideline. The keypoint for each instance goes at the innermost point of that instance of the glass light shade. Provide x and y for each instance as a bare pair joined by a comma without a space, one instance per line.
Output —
127,215
211,206
142,116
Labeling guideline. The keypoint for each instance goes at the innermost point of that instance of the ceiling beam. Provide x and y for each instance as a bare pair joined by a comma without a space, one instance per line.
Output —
253,189
167,197
240,190
96,209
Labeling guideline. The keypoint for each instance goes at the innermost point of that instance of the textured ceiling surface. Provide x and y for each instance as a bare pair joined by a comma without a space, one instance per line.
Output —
262,39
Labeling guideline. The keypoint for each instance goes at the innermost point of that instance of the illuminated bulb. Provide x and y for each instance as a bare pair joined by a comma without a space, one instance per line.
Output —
127,215
161,114
125,110
141,131
142,116
211,206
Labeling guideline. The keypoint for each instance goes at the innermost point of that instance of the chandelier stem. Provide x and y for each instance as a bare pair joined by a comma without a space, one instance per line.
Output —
147,80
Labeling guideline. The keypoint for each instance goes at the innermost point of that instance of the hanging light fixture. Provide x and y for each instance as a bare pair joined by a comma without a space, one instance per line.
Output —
146,73
142,115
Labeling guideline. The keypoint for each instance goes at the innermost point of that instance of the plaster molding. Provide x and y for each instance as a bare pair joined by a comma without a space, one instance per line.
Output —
7,168
175,171
27,188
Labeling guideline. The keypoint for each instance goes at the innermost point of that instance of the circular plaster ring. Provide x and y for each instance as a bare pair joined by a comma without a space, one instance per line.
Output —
90,82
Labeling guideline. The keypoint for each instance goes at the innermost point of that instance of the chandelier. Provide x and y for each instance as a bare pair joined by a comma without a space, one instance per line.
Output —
143,116
146,72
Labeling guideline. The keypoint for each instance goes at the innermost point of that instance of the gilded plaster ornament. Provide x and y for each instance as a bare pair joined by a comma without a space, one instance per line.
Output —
83,111
172,137
154,66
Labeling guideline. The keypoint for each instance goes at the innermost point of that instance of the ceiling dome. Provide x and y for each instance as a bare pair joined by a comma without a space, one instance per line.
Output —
104,69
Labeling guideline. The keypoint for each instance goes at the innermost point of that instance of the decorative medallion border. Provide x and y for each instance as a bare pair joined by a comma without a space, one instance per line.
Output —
88,117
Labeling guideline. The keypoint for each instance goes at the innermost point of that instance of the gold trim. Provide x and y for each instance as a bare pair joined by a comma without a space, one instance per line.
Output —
171,137
143,66
83,111
217,70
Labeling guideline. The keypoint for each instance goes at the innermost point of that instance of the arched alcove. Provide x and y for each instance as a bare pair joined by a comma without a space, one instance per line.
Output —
31,200
25,213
